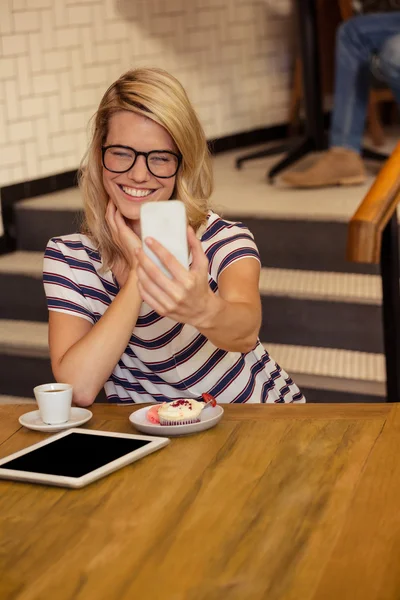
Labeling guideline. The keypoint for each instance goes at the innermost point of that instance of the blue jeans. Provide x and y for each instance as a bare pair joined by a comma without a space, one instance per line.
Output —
362,42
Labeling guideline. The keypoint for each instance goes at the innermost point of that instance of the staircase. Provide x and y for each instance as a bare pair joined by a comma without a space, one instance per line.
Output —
321,315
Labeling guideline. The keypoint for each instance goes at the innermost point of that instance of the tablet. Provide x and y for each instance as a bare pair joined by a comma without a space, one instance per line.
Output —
77,457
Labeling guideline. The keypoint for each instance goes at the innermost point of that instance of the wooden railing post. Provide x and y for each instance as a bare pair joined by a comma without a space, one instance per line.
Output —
391,306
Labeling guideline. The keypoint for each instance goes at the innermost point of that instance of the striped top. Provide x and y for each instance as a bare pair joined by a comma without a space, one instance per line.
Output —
165,360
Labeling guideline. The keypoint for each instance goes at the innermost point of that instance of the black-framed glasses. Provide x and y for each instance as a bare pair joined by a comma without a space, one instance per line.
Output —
120,159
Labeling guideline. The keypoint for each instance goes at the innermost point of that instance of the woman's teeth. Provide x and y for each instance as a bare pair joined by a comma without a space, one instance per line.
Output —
136,193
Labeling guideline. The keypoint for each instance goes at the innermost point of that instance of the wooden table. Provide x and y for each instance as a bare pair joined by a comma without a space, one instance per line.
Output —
276,502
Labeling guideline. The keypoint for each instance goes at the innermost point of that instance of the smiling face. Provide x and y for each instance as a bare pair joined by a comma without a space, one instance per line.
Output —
130,190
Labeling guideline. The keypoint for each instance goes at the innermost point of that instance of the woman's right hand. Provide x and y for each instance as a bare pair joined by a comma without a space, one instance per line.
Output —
122,235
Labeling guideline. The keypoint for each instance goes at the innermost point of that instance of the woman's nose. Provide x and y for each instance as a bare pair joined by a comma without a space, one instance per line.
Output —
139,171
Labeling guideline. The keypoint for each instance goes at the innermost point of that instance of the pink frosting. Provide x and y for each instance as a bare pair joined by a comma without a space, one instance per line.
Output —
152,415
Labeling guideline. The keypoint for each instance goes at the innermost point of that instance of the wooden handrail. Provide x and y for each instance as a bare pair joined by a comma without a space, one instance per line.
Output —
346,9
366,226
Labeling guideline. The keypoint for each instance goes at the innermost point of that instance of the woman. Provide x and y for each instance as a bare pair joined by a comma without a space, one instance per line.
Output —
114,319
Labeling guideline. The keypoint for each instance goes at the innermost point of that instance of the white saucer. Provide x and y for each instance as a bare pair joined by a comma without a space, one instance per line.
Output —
209,417
32,420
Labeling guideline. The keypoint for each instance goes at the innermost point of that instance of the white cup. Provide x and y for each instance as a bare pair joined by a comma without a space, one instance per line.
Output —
54,401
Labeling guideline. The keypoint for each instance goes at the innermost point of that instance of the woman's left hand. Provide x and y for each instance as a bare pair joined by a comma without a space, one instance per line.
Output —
186,298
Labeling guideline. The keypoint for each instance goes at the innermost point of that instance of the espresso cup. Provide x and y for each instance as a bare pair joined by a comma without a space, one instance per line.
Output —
54,401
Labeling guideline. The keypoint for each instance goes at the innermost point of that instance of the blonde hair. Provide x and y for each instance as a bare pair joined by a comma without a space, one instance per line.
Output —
157,95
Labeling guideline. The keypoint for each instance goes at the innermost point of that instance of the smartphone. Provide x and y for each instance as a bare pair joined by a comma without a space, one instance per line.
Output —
166,222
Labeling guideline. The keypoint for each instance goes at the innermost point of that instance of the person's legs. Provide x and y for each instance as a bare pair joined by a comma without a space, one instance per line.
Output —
388,63
358,40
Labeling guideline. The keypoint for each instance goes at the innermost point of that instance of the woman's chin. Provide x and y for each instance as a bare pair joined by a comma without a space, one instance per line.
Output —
129,209
132,214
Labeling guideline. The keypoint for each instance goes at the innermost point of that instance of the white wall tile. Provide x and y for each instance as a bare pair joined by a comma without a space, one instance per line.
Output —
41,126
54,116
47,29
50,165
31,160
95,75
3,128
107,52
77,76
81,144
63,143
39,3
98,22
69,161
44,84
26,21
54,60
60,13
32,107
18,174
66,37
18,132
7,68
79,15
75,120
11,154
88,96
6,20
117,31
64,81
12,108
109,7
88,48
72,2
14,44
18,4
24,77
35,53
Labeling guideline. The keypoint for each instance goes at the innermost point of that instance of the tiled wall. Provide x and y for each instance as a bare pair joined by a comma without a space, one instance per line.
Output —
58,57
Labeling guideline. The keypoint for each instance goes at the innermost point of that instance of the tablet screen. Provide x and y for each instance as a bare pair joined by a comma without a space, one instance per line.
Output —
75,455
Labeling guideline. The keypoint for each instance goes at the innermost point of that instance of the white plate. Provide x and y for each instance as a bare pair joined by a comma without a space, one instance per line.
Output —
209,417
32,420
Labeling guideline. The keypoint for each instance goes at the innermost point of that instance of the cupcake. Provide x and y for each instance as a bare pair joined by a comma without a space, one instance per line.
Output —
180,412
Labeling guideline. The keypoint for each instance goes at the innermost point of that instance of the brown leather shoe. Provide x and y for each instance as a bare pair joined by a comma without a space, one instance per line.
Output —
337,166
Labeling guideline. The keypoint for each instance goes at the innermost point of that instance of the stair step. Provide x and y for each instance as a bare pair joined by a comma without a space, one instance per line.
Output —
336,310
308,308
341,287
38,219
22,263
332,369
21,289
24,357
324,370
16,400
69,199
284,241
322,285
299,243
23,338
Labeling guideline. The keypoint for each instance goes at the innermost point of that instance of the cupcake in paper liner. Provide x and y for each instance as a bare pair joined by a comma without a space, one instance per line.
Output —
180,412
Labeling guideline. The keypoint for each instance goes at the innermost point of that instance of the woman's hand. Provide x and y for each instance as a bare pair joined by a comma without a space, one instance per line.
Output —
187,297
126,240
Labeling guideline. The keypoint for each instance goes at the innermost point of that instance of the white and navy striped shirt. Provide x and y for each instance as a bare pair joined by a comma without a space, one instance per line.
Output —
164,359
